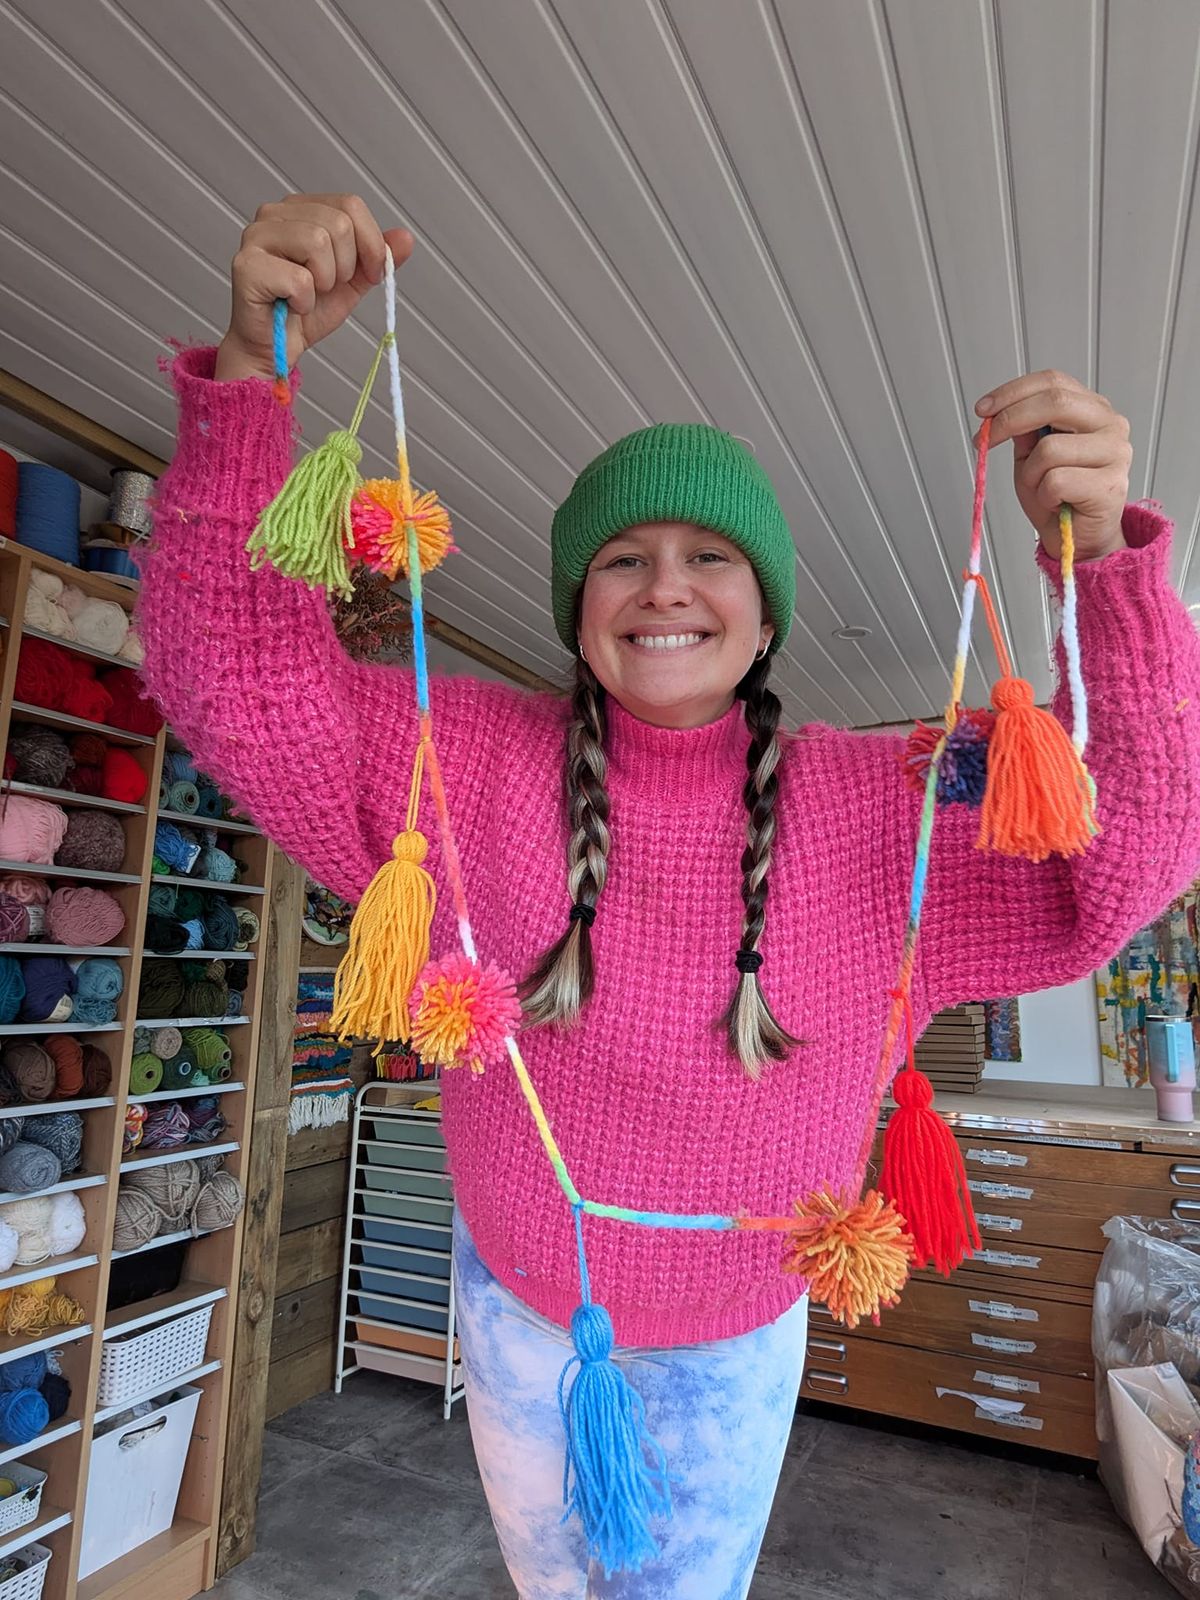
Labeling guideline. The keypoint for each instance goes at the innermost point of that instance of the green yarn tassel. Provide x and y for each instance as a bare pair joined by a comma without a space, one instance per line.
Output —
305,532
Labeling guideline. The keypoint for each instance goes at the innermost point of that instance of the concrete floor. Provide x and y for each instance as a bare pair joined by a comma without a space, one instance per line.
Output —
370,1496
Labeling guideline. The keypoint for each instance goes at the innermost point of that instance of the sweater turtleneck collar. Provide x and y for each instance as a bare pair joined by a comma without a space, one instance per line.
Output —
676,761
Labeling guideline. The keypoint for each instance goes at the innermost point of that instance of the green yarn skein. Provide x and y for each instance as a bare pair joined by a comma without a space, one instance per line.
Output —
145,1073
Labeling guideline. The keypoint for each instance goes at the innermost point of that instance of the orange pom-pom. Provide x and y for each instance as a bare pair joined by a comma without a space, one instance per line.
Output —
855,1257
378,526
462,1011
1038,801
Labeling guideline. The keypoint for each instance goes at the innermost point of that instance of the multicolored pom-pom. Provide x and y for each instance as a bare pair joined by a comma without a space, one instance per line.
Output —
962,770
461,1012
378,528
856,1257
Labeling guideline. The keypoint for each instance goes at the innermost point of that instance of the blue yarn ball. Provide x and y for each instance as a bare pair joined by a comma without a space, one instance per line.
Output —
47,980
25,1372
12,988
24,1414
99,978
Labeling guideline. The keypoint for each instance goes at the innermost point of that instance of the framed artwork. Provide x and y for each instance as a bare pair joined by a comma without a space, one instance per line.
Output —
1158,970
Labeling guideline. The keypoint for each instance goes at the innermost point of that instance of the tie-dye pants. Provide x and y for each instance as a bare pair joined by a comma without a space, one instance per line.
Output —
722,1411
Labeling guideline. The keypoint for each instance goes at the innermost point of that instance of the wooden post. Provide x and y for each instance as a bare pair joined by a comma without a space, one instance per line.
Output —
264,1200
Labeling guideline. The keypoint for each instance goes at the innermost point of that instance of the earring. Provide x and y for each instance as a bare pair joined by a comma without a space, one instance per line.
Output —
582,657
763,651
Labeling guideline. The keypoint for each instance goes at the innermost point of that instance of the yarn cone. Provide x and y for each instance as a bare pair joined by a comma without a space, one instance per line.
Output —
305,531
924,1177
1038,800
856,1256
388,947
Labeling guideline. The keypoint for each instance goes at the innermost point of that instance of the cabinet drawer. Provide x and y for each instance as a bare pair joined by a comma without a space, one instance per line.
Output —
1068,1215
997,1156
1058,1411
1020,1260
977,1323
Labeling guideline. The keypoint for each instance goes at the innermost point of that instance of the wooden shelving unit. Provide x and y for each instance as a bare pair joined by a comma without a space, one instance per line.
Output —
182,1561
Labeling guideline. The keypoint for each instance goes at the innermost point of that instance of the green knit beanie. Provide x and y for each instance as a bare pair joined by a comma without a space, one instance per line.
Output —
673,472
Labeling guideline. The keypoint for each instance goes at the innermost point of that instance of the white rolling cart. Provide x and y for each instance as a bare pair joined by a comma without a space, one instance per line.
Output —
397,1302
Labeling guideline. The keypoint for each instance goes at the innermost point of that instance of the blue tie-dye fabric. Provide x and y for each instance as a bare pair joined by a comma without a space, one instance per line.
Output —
722,1410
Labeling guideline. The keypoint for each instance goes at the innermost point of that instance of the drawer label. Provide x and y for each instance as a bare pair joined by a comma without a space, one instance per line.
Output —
1009,1382
999,1191
1003,1311
1004,1347
997,1158
988,1219
1007,1258
1009,1419
986,1405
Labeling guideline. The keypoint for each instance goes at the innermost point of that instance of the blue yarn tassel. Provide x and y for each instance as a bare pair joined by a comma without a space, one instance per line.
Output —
620,1472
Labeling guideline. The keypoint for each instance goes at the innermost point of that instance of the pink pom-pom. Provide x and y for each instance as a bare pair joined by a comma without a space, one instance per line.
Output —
461,1012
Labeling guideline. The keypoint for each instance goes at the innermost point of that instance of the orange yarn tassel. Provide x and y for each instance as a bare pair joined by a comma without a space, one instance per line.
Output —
923,1174
1038,799
855,1257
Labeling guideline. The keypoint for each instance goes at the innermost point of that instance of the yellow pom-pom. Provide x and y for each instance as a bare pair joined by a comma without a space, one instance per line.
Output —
856,1257
380,535
387,948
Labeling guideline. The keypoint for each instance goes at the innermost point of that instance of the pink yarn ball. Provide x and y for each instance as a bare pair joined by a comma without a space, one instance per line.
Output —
30,830
29,891
83,916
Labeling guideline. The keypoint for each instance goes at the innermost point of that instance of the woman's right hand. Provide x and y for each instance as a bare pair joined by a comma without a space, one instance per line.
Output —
320,253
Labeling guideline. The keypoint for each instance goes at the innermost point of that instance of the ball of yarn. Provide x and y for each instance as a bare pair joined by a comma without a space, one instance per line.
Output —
50,984
205,997
210,800
94,840
178,1068
165,936
209,1047
172,1189
179,768
23,886
61,1133
141,1040
206,1124
183,796
14,920
248,930
67,1226
167,1127
12,988
31,1221
162,989
56,1392
165,1042
122,778
101,623
30,830
86,780
67,1055
216,865
28,1167
88,749
137,1219
162,899
10,1243
97,1071
135,1127
81,915
180,848
208,1167
195,934
233,1004
31,1068
44,674
23,1415
99,978
24,1372
219,1202
41,756
11,1129
220,924
145,1073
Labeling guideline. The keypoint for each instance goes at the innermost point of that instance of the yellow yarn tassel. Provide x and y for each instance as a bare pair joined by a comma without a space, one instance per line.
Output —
305,532
389,938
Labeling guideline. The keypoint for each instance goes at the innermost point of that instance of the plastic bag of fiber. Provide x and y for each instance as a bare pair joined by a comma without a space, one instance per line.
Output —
1146,1341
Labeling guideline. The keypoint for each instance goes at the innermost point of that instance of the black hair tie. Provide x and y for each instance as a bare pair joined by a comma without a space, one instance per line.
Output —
748,960
582,913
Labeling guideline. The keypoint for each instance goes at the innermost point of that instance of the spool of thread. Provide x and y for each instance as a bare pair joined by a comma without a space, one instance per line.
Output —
220,924
219,1202
167,1127
24,1372
94,840
172,1189
137,1219
164,794
129,502
162,989
14,920
8,495
97,1070
24,1413
145,1073
41,756
81,915
48,511
67,1055
32,1070
61,1134
31,830
178,1069
183,796
12,989
210,801
28,1168
50,984
56,1392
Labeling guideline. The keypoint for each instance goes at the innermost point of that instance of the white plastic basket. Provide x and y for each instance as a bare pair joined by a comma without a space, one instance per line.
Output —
27,1585
18,1509
144,1362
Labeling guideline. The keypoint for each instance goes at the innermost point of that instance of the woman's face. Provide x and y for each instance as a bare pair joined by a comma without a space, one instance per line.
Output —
671,619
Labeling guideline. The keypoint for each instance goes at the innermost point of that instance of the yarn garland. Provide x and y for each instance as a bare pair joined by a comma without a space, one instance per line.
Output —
462,1011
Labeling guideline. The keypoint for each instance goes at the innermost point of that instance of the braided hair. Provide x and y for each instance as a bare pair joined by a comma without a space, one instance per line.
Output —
563,980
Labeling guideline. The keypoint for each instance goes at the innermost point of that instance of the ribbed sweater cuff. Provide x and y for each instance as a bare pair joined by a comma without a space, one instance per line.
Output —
234,440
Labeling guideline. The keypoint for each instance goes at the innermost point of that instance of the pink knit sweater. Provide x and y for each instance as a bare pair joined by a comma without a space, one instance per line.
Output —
647,1106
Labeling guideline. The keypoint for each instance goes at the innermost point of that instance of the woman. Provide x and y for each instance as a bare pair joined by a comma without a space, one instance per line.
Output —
693,1052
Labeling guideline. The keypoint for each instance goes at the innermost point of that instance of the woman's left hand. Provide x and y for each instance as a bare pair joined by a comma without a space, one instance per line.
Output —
1085,462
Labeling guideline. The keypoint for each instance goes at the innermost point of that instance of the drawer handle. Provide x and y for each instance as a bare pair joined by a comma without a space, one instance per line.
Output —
1186,1210
835,1380
1185,1177
821,1313
831,1349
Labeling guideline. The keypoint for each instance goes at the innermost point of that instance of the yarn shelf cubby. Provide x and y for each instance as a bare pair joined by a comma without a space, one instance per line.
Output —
181,1561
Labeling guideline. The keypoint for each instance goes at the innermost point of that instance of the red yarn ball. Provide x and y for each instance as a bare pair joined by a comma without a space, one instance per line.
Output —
123,778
